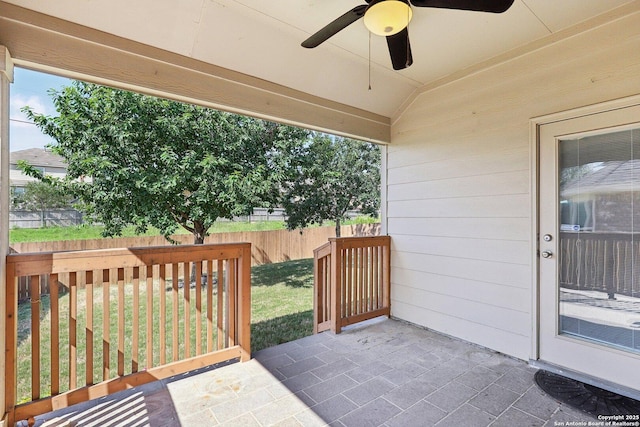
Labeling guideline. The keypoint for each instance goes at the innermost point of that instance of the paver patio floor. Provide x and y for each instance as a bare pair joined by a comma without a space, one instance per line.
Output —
387,373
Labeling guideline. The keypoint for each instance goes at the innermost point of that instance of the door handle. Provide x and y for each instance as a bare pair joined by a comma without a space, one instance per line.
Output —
546,254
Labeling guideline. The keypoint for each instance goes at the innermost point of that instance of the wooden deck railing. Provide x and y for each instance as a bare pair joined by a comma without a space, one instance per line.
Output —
118,318
351,281
606,262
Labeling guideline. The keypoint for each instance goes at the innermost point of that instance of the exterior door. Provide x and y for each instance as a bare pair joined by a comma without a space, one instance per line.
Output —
590,245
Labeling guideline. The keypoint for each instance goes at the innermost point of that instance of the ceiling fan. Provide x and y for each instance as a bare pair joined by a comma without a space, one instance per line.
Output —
390,18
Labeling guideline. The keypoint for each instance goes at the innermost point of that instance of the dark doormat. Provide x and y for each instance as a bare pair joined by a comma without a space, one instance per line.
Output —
585,397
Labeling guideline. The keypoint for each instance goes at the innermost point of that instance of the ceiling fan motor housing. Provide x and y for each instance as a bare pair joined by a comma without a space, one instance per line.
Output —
387,17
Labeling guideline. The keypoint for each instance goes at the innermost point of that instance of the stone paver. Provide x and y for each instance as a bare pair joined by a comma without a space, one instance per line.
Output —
387,373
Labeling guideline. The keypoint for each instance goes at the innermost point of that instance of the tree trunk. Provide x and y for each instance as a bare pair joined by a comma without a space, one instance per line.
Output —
199,233
338,227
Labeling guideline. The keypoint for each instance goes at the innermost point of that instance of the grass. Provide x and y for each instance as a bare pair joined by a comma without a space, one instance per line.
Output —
281,311
80,232
281,303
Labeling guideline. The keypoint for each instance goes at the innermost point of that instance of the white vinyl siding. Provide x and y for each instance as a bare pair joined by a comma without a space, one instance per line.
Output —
458,184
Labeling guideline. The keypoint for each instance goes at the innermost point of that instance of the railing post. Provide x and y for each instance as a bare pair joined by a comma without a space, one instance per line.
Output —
11,335
244,303
317,283
336,296
386,274
322,288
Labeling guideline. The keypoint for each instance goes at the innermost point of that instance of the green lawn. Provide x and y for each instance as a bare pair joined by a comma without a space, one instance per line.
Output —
282,310
81,232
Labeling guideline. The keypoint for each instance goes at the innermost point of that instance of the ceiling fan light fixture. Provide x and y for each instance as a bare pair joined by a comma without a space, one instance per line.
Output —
388,17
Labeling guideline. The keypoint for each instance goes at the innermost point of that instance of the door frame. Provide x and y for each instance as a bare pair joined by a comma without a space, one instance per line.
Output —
534,144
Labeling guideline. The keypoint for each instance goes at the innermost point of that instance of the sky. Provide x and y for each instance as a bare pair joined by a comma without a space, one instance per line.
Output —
30,88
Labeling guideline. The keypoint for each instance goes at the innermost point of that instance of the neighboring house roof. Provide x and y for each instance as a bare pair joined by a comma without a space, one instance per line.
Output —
612,177
38,157
52,164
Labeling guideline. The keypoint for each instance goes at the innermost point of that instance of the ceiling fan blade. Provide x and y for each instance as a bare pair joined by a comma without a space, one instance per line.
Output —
400,50
335,26
495,6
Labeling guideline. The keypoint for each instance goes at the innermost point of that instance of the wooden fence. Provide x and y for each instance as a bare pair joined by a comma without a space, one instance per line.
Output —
128,316
351,281
606,262
266,246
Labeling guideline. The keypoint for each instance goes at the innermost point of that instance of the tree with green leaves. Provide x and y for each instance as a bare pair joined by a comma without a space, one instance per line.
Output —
329,177
40,196
139,160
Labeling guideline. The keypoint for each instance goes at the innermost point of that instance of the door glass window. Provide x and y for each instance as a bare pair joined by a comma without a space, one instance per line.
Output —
599,247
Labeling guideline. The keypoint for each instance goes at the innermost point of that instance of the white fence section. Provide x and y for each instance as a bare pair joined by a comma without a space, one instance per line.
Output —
46,218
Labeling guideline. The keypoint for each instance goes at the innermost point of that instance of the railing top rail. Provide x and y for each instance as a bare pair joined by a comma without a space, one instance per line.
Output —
607,235
86,260
322,251
361,242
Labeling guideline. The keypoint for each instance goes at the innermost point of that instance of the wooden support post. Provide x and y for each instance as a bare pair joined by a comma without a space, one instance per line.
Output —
6,334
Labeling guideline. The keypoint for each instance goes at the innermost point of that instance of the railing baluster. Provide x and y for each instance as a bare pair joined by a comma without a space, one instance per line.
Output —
106,338
366,279
174,293
73,336
628,262
186,274
374,277
149,341
35,337
354,278
319,292
135,336
121,322
351,291
209,306
163,314
221,296
342,261
198,308
89,328
380,271
326,295
361,281
55,334
231,294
